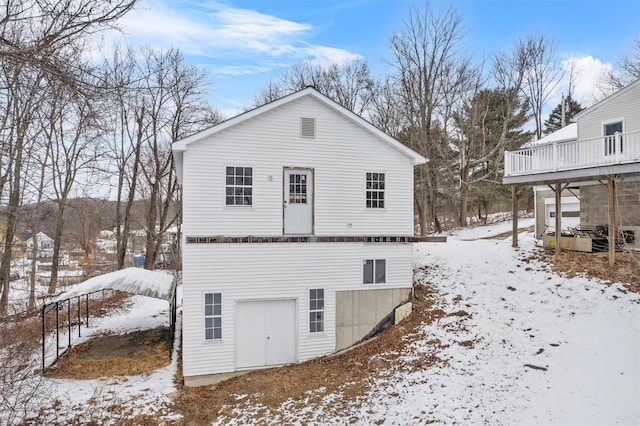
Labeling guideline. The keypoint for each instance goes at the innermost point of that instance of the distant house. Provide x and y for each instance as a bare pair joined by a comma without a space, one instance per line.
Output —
44,241
297,230
591,167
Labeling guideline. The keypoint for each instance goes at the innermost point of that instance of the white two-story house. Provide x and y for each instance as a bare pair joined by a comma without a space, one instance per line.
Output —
297,228
593,165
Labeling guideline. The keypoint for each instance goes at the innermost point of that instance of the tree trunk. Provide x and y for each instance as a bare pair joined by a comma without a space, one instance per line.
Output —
12,223
132,191
57,244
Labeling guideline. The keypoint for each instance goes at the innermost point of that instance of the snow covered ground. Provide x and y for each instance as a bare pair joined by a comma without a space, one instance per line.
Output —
584,334
580,338
143,394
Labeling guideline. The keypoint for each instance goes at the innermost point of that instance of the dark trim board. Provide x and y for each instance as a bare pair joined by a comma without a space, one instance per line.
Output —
219,239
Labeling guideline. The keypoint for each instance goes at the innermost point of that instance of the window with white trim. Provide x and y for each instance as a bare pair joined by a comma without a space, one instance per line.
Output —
316,310
613,138
374,271
213,316
239,186
375,190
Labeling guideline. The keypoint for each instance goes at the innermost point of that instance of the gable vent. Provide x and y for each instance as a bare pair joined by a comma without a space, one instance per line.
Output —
307,127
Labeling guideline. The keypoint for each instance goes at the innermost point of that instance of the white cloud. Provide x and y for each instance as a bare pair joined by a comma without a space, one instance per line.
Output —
324,56
230,35
587,73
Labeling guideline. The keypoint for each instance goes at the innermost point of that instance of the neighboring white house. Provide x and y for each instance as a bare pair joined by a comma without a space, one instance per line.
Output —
44,243
296,234
594,162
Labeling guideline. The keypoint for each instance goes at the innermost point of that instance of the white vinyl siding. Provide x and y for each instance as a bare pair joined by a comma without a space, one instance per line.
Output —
340,156
623,107
329,266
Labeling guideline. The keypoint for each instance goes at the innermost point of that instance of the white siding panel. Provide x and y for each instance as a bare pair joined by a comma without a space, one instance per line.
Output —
275,271
625,107
340,155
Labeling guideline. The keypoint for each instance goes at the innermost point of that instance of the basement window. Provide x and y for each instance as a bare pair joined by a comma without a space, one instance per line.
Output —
374,271
316,310
213,316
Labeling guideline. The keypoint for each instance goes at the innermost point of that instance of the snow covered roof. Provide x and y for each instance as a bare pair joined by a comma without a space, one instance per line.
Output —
567,133
131,280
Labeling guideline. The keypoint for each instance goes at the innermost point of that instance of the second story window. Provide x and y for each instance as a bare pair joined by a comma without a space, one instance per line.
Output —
239,186
613,138
375,190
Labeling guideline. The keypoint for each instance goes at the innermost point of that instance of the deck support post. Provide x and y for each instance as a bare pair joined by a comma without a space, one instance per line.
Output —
558,225
514,215
611,186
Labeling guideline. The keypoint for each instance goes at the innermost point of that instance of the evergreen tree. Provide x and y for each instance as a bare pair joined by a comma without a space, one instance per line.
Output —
554,122
488,124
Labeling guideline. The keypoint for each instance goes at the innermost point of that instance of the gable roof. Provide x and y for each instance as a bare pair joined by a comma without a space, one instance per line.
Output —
28,235
181,145
629,87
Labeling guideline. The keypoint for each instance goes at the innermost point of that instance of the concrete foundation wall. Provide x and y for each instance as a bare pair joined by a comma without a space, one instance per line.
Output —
359,311
595,207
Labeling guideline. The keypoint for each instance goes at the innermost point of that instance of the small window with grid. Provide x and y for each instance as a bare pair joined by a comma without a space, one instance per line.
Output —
213,316
298,188
239,186
375,190
316,310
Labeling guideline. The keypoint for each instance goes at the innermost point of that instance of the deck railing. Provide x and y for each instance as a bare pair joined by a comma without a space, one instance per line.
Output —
582,153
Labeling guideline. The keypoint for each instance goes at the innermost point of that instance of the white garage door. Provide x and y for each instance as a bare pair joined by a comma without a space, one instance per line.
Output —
265,333
570,212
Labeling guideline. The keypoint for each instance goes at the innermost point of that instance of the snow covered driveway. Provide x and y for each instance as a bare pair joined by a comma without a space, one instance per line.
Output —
548,349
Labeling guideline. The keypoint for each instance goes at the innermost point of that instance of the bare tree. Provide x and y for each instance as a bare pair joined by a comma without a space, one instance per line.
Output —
176,107
73,135
35,218
431,70
124,83
86,220
35,37
30,30
627,72
385,112
24,94
542,74
350,84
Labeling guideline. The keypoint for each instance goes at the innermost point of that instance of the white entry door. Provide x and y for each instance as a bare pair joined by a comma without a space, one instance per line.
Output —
298,201
265,333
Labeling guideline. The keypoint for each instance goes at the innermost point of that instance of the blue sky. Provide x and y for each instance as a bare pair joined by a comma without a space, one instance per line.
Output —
243,43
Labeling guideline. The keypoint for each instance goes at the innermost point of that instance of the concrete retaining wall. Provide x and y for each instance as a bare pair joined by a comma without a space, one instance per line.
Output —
358,312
